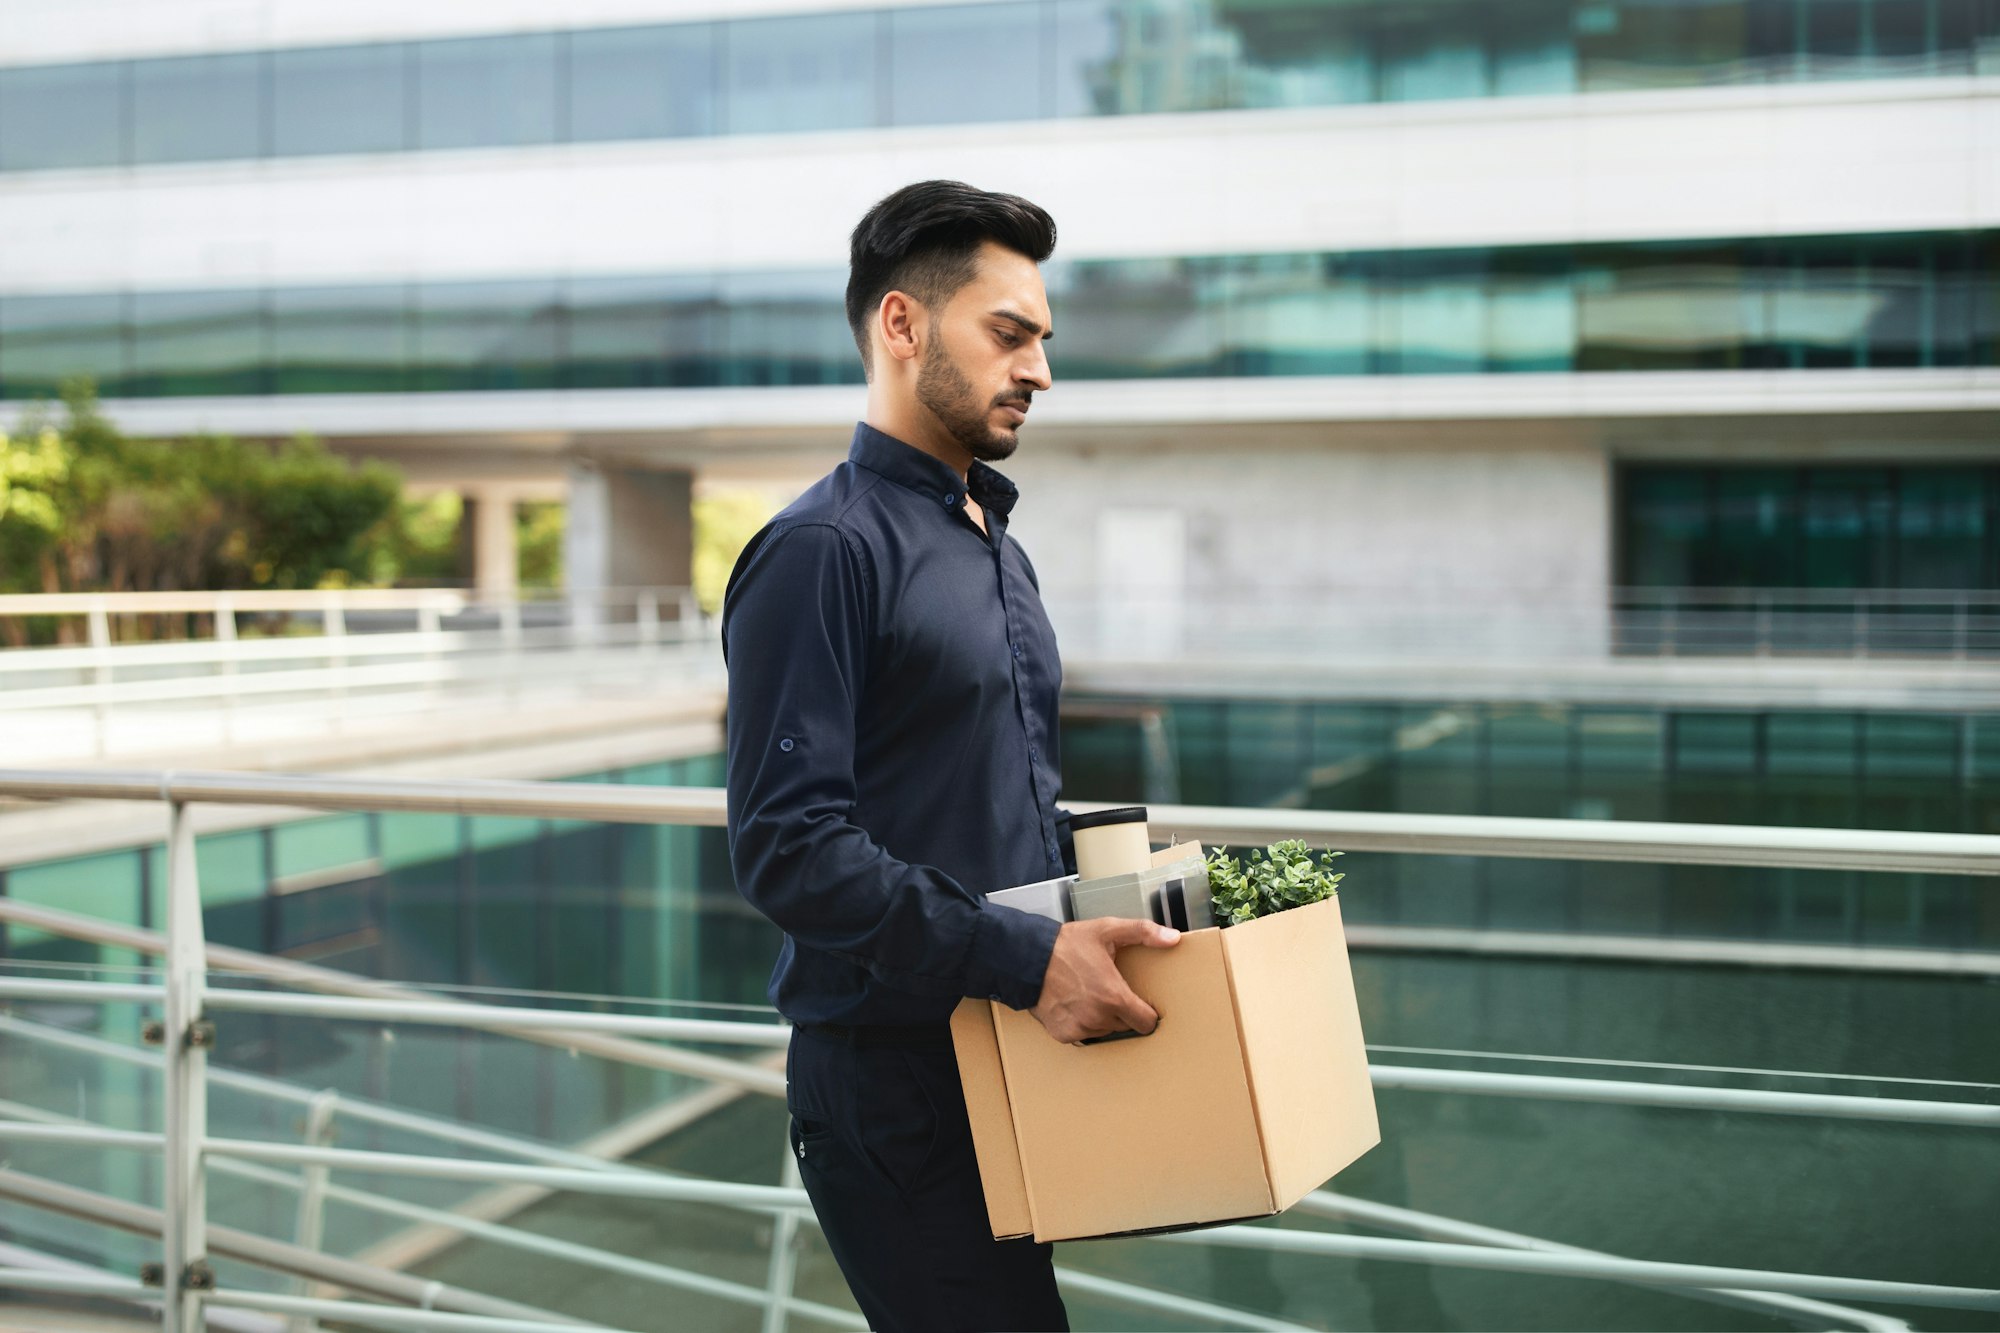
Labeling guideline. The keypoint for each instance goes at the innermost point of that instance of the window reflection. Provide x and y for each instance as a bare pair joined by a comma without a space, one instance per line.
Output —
487,91
643,83
787,328
1930,300
63,116
45,340
489,335
198,107
638,332
351,99
965,63
341,339
198,343
786,74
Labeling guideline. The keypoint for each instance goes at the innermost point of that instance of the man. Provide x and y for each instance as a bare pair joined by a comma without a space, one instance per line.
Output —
892,758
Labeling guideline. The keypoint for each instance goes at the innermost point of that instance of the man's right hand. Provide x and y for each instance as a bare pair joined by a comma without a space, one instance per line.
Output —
1083,994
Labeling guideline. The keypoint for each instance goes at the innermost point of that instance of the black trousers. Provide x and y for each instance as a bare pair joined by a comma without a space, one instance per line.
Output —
885,1152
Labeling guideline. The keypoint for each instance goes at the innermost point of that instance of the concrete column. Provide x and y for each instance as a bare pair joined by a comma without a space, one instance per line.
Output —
628,528
494,554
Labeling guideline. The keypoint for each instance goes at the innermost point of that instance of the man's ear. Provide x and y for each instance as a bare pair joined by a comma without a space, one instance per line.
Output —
899,322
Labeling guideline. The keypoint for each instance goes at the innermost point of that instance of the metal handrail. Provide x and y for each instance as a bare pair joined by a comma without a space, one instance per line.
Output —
1359,831
187,1146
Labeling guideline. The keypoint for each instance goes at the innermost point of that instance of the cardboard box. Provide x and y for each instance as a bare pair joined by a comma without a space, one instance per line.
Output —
1251,1093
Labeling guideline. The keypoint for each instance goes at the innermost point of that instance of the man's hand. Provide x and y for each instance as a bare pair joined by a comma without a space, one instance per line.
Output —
1083,994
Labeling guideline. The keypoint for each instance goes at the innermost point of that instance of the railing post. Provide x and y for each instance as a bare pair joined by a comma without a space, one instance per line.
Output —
311,1227
333,625
225,632
649,621
779,1278
99,623
188,1037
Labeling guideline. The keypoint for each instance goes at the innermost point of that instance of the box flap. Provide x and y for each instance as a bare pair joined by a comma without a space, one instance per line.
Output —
1301,1033
1166,856
992,1120
1148,1132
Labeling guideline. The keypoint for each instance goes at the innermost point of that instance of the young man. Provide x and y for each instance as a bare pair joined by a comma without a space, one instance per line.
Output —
892,758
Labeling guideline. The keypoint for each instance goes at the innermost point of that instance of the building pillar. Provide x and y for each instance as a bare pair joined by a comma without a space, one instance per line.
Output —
629,528
494,554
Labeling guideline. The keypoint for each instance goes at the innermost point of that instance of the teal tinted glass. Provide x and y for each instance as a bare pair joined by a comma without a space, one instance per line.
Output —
644,83
808,72
63,116
487,91
199,108
45,340
629,332
788,328
199,343
341,339
348,99
489,335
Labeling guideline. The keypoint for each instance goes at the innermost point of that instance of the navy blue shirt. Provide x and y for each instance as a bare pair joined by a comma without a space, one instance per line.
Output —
892,741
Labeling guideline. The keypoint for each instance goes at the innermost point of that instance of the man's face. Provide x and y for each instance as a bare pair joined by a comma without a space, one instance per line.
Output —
985,358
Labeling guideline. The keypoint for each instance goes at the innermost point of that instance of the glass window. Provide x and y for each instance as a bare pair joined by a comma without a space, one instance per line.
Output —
943,65
198,108
644,83
1941,526
1083,76
45,340
787,328
1668,526
1664,307
341,339
1845,514
1440,314
344,99
1530,46
1756,528
486,91
198,343
629,332
1301,55
489,335
1300,315
1531,311
1430,52
1137,318
798,73
63,116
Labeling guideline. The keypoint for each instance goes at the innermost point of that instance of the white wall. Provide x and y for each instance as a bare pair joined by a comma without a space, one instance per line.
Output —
1816,158
1362,543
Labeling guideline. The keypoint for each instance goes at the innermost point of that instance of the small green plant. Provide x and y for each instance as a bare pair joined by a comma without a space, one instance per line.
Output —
1285,875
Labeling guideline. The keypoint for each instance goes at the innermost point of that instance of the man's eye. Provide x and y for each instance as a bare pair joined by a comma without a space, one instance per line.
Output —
1008,339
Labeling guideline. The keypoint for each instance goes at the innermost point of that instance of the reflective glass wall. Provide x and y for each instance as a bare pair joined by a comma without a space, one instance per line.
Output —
1918,300
1015,60
1810,527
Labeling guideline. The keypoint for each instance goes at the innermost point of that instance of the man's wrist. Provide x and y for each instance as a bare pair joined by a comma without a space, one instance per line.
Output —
1010,955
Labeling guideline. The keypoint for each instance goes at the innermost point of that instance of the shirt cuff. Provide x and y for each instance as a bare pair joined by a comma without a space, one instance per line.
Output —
1010,953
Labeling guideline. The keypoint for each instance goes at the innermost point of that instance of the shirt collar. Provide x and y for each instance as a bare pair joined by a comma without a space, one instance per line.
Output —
933,478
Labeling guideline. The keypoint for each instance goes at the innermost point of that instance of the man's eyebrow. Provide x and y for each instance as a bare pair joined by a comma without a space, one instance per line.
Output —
1026,323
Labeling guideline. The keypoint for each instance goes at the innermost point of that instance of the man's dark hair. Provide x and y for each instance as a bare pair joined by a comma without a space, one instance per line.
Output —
924,240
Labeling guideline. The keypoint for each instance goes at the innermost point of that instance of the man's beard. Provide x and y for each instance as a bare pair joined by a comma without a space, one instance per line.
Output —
953,401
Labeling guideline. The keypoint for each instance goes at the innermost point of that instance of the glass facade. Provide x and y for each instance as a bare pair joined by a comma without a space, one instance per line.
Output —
1937,772
1920,300
992,62
1926,528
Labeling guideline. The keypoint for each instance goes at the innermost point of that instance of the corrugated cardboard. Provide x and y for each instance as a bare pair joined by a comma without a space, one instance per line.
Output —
1252,1092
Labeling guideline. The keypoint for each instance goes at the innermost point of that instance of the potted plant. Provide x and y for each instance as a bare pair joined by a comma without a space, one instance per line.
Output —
1284,875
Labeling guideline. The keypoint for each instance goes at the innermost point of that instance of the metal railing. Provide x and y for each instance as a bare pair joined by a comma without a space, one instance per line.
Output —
189,1151
351,650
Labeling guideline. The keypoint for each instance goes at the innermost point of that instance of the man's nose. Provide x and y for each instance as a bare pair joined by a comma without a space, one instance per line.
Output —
1035,371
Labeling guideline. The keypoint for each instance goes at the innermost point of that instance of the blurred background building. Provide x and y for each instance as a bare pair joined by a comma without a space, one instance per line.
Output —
1585,409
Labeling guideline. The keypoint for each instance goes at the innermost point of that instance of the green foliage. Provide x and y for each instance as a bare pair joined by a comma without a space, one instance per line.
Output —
540,526
84,509
1285,875
724,523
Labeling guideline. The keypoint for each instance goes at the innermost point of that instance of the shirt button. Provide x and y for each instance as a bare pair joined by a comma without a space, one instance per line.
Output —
786,745
1016,647
950,500
1033,753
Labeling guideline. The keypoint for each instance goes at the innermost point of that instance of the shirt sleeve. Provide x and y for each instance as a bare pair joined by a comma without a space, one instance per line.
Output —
795,633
